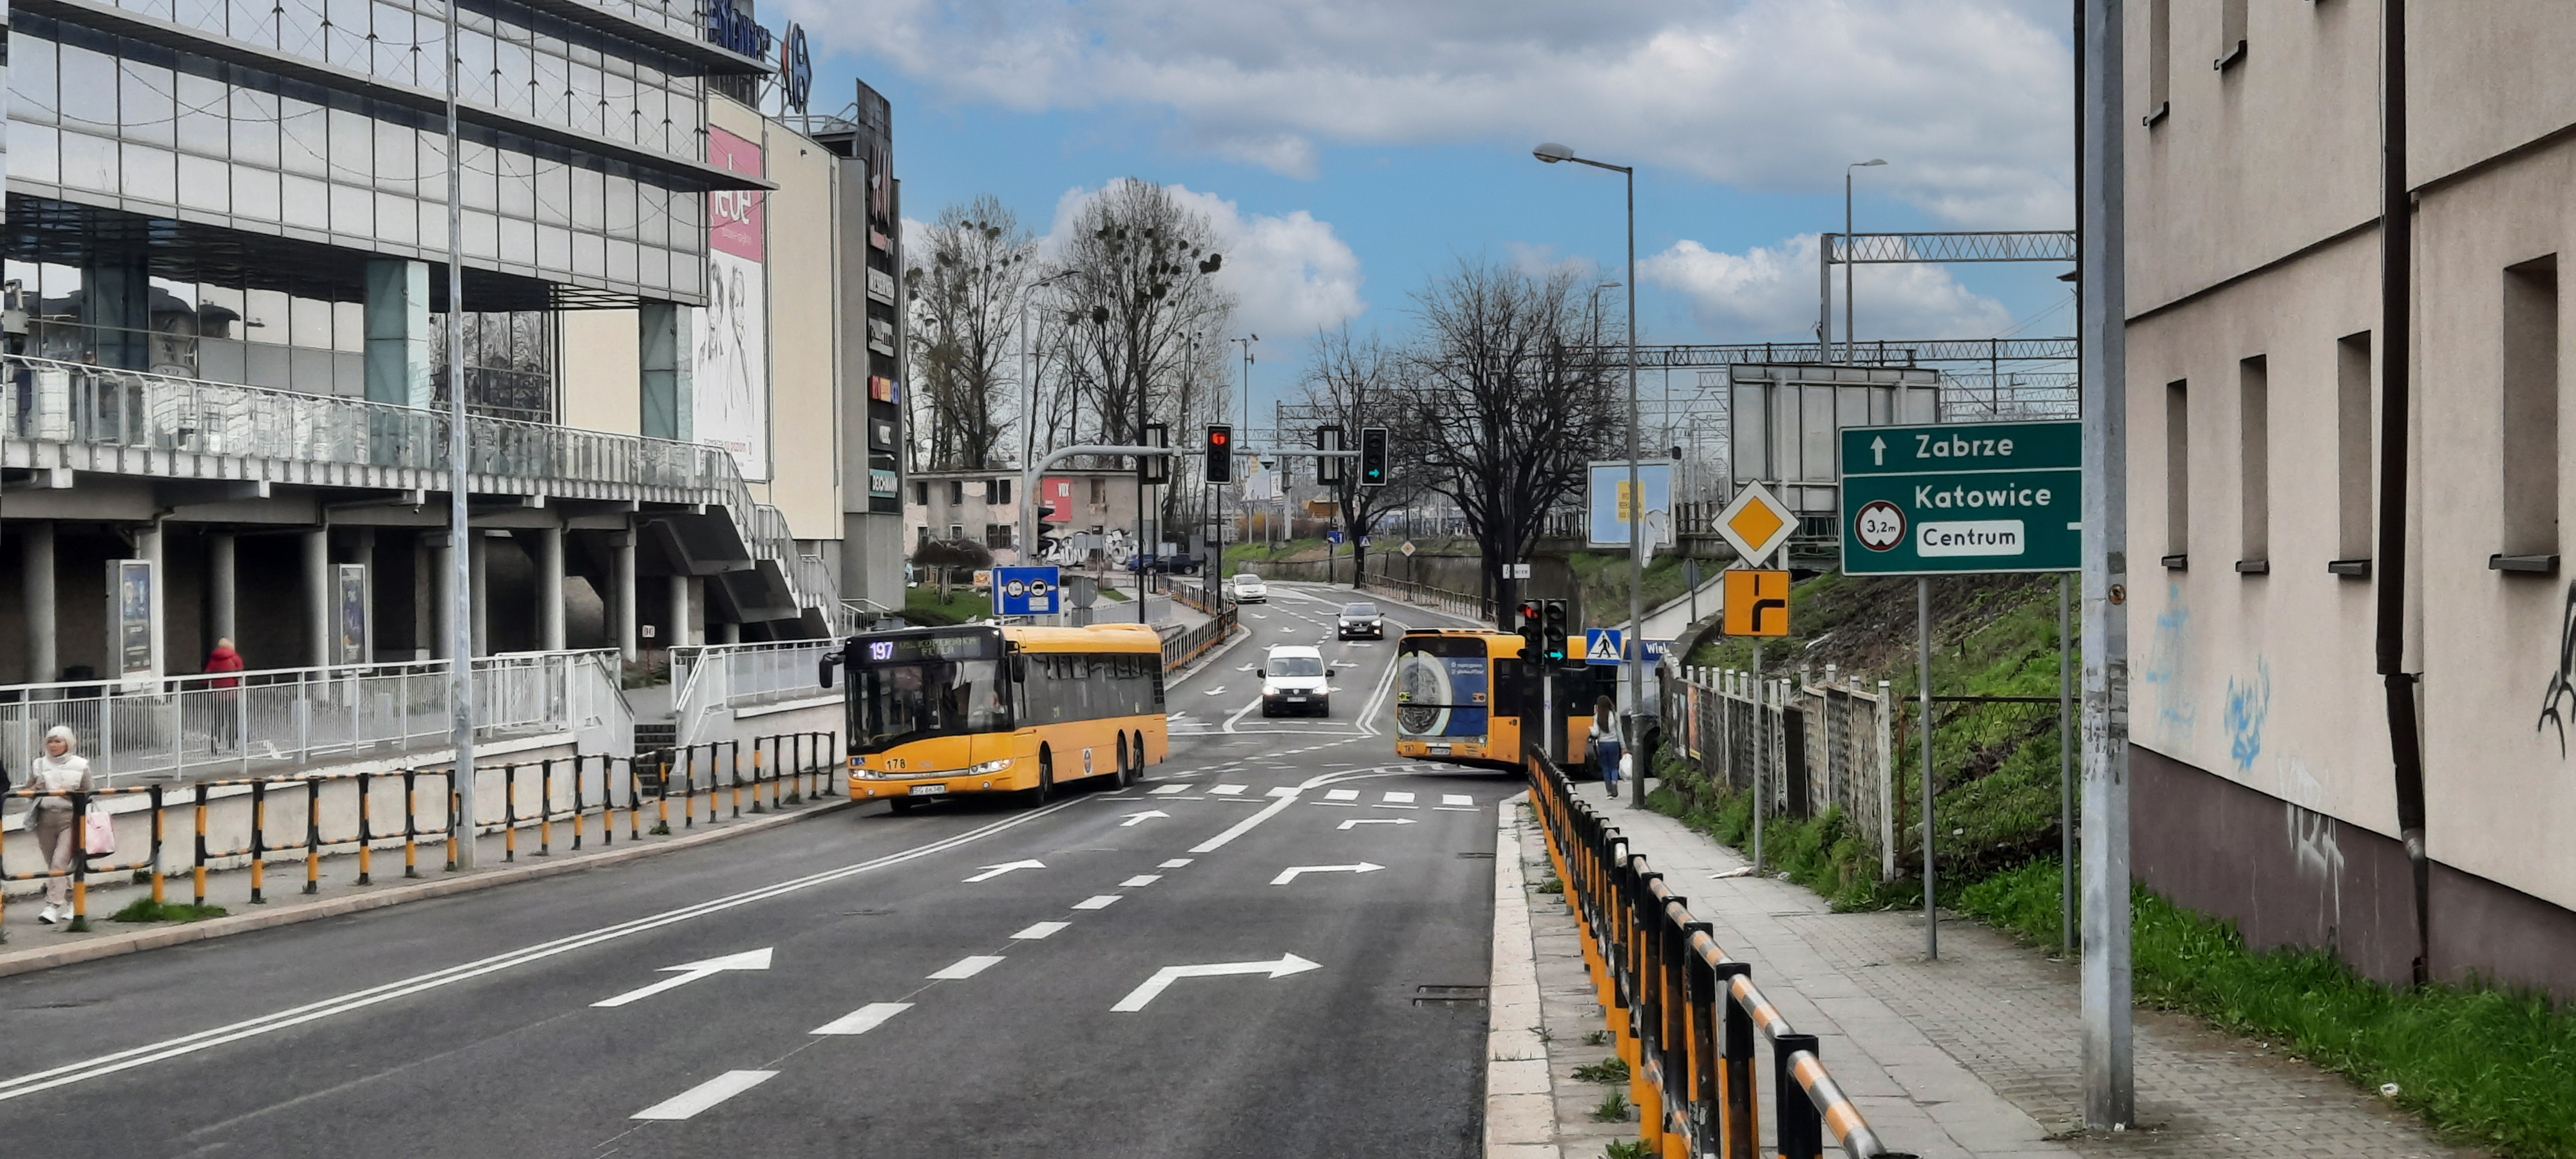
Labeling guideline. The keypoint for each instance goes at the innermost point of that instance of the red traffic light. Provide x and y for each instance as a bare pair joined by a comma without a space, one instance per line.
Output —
1218,438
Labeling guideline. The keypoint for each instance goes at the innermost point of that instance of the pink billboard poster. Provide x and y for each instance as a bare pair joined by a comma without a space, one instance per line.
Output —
733,215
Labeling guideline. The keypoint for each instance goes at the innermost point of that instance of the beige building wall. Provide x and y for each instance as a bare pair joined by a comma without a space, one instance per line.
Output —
804,334
602,372
2253,250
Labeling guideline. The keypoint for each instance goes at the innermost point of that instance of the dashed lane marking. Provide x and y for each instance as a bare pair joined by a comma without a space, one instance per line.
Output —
1341,794
1168,790
688,1103
1101,901
1227,790
1457,799
1394,797
874,1014
967,967
1284,791
1033,933
1140,880
1174,863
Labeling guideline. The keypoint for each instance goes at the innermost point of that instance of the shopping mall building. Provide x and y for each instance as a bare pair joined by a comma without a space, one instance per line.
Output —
227,290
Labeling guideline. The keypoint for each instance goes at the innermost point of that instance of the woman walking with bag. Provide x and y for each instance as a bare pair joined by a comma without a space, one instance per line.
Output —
1605,742
60,770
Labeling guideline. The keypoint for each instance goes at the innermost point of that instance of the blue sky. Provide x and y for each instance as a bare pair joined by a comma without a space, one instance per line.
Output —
1358,147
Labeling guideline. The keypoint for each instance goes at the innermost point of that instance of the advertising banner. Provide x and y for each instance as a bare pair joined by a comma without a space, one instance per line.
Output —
130,644
1611,506
351,613
730,385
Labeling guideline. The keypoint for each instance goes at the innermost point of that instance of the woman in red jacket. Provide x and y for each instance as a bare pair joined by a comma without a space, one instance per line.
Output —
227,707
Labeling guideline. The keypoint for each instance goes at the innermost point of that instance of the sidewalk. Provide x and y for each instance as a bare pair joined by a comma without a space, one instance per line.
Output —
1978,1054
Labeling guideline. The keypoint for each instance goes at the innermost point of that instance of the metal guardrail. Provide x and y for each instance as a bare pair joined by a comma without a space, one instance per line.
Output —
52,401
231,820
1686,1015
1188,644
1456,603
244,721
706,681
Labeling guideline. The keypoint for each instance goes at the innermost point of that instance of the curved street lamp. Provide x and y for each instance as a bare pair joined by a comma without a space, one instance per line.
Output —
1849,340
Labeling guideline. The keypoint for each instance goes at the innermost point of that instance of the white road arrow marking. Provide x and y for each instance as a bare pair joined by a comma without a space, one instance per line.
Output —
1290,874
993,871
1163,978
1878,452
863,1019
1134,819
1219,690
1374,821
691,972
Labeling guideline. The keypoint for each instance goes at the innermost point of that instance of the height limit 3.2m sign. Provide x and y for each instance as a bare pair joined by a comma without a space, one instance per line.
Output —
1963,497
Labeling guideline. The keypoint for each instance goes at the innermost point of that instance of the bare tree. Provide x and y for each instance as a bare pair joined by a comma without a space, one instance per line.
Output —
966,307
1506,395
1355,384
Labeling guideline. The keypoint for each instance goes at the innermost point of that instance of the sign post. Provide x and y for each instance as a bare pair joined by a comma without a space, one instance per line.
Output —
1953,499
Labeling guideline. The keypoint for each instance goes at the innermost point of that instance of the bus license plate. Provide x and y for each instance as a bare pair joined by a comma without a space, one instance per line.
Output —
928,790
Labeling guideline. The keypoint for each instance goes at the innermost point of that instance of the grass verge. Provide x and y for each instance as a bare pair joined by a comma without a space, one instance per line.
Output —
2483,1065
144,909
922,605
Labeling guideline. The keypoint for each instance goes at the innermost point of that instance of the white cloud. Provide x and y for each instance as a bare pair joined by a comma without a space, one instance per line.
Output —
1768,293
1541,261
1968,99
1289,273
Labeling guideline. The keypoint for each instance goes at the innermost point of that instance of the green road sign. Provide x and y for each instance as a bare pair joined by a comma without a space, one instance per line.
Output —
1963,497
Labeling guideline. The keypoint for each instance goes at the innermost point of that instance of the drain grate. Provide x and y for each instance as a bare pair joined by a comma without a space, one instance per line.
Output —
1448,995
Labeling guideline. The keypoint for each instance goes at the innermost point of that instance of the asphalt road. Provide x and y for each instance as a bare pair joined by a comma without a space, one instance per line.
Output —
873,986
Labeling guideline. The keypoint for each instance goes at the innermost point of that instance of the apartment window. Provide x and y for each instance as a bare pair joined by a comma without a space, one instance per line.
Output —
2530,415
2231,34
1100,491
2352,450
997,535
956,531
956,492
921,535
997,491
2177,472
2159,61
921,494
2254,466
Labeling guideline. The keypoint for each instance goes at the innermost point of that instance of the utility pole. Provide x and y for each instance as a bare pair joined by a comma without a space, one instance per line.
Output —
460,531
2110,1099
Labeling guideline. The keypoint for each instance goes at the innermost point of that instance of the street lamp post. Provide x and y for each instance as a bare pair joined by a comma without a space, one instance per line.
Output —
1210,576
1634,661
1848,341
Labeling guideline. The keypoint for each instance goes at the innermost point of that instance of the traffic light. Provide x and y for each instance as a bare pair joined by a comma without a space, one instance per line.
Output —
1329,471
1552,632
1220,453
1155,469
1527,624
1372,456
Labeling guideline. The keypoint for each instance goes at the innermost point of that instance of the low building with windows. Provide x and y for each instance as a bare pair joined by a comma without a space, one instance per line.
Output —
2264,787
1091,521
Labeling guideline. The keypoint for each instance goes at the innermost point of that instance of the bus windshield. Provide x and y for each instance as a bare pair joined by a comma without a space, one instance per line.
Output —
897,703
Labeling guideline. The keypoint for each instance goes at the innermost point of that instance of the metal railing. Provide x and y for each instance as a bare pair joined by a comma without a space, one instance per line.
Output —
1798,748
1685,1015
1188,644
711,680
248,823
1461,604
240,722
46,400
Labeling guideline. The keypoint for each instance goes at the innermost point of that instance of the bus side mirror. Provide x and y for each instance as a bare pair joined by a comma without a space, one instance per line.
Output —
1019,668
823,668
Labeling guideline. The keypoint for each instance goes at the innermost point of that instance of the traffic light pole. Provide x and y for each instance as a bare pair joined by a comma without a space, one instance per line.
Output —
1029,486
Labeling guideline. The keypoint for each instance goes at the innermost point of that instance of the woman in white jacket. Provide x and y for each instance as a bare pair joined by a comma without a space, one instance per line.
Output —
60,770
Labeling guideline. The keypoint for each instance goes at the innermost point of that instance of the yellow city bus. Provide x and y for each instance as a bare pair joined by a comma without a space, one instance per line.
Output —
1456,697
942,712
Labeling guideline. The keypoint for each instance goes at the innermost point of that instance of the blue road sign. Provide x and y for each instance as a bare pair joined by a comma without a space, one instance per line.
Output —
1026,591
1656,649
1333,537
1601,645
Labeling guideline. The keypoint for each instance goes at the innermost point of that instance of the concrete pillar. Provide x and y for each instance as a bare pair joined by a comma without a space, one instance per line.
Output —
679,633
477,559
550,589
363,553
147,547
442,597
222,587
724,632
44,662
621,591
661,341
316,570
398,334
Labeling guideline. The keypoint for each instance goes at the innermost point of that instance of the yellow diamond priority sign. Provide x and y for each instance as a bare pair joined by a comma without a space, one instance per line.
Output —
1756,524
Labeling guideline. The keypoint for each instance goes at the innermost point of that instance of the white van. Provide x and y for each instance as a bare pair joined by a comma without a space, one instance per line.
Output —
1294,679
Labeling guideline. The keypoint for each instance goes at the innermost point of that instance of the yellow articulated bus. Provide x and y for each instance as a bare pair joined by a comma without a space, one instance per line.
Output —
1455,697
943,712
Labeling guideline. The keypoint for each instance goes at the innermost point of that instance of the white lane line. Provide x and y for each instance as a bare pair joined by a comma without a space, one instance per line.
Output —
1288,791
1140,881
132,1057
863,1019
1168,790
1342,795
1098,901
1457,799
1174,863
1035,932
1452,809
967,967
1399,806
688,1103
1394,797
1337,804
1227,790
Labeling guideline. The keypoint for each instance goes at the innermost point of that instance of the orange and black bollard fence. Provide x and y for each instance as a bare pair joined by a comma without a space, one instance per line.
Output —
1684,1015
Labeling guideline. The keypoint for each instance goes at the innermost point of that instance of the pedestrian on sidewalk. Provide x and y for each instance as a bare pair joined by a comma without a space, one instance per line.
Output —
59,771
227,698
1605,742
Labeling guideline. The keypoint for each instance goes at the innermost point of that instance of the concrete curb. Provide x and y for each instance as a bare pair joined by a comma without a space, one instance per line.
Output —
29,961
1520,1106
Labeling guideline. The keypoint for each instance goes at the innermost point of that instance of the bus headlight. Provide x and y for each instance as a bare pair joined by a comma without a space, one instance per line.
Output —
989,767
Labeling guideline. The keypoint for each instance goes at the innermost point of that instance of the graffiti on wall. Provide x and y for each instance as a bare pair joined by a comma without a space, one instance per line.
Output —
2249,705
2175,714
2558,701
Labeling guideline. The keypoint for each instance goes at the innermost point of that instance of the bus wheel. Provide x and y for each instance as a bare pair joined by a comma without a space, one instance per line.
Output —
1138,747
1125,776
1046,778
899,805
